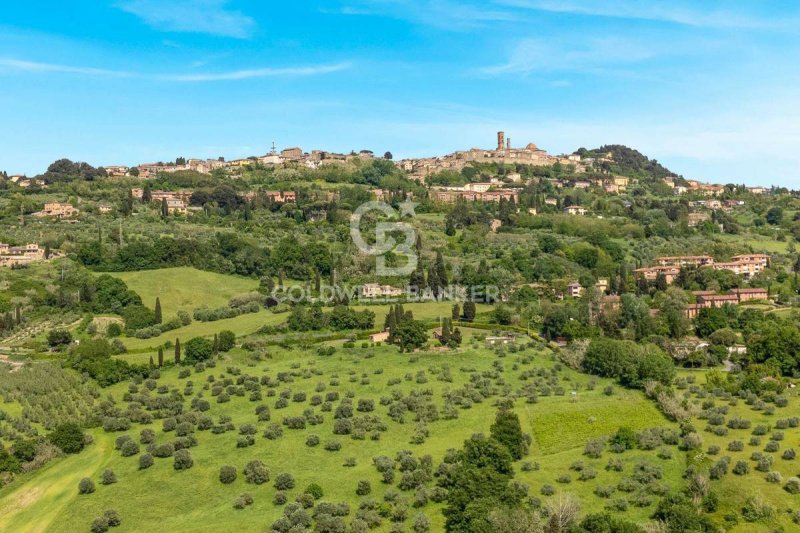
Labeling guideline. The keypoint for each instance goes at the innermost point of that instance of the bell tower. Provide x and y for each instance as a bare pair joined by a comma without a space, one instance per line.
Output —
501,140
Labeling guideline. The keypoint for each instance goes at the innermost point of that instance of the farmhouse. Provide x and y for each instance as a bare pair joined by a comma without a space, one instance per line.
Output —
375,290
20,255
575,210
57,210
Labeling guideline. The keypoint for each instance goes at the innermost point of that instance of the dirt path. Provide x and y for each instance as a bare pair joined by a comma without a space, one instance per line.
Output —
36,503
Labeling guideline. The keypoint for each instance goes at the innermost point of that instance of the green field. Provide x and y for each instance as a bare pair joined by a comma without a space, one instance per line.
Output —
559,424
185,288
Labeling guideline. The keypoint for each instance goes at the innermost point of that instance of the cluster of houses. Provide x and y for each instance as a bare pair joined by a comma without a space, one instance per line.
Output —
705,189
60,210
178,201
25,182
295,154
492,191
707,299
14,256
504,153
747,265
704,299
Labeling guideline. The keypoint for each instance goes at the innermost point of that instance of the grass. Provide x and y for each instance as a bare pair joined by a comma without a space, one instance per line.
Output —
194,500
560,423
185,288
759,243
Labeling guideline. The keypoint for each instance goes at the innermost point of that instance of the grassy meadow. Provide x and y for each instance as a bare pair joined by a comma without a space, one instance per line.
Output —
559,423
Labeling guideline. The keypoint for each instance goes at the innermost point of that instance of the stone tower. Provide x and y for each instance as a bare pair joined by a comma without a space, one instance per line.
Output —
501,140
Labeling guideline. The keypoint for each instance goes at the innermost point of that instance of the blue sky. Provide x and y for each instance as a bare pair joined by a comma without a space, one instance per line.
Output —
710,88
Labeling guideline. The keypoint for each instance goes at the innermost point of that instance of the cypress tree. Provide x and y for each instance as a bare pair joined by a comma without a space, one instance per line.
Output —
389,317
177,351
158,311
456,314
445,337
152,365
164,208
215,344
456,337
469,311
433,280
507,431
18,315
160,357
441,269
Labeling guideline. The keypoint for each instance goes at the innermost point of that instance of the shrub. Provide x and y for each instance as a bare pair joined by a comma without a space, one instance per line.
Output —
129,448
227,474
164,450
145,461
273,431
363,488
99,525
774,477
314,490
547,490
183,460
788,454
421,524
594,448
735,446
792,485
312,440
333,445
85,486
279,498
108,477
68,437
741,468
198,349
284,481
112,517
256,472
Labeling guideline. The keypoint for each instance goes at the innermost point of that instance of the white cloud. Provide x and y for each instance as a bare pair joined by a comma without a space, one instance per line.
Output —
234,75
191,16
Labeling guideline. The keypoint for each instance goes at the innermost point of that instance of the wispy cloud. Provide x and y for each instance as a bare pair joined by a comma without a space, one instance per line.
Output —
33,66
443,14
234,75
258,73
191,16
715,14
543,56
